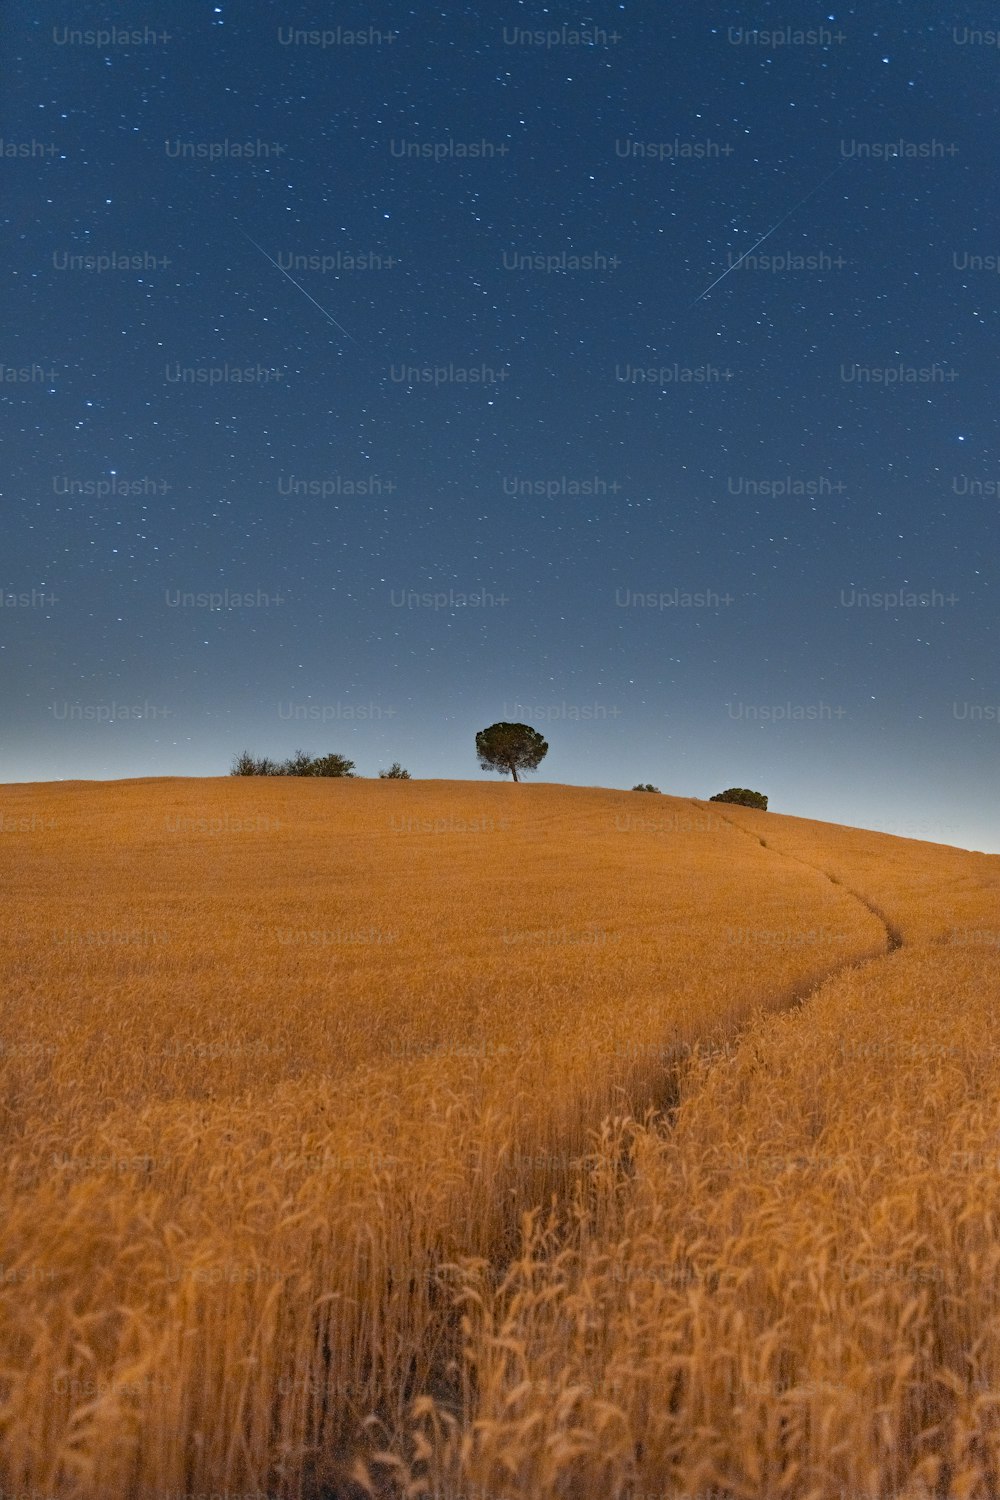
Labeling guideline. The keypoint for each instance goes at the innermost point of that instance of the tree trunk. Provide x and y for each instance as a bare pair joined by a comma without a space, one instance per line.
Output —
513,772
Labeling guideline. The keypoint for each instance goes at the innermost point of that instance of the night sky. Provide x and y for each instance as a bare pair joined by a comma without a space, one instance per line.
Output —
498,457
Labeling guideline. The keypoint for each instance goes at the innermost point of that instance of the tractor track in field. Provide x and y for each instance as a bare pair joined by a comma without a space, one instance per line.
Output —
894,937
664,1100
659,1108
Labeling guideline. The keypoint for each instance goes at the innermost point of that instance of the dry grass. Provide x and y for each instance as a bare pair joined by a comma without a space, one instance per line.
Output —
261,1086
795,1290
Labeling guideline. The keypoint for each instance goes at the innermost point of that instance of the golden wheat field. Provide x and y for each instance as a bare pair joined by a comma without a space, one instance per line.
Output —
486,1141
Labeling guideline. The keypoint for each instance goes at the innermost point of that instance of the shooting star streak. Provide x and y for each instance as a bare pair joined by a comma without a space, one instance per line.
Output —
767,236
302,289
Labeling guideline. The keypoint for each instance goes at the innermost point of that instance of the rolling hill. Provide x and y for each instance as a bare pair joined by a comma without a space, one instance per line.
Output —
512,1140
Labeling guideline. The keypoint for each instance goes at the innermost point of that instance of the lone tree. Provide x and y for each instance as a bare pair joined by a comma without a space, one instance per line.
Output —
510,747
742,797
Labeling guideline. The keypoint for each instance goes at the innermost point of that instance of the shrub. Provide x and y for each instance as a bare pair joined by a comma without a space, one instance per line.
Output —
332,765
246,764
742,796
394,773
298,764
645,786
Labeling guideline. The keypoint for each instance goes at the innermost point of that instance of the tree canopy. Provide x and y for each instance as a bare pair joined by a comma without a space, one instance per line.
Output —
510,747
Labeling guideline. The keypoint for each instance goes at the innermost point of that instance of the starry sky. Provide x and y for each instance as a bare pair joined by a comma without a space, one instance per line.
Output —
629,372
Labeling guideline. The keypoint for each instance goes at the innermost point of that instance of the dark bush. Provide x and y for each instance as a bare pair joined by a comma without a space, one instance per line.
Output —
246,764
330,765
297,764
742,796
